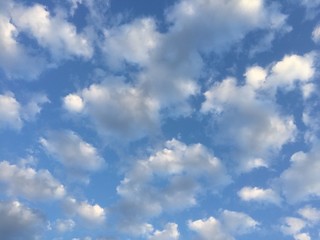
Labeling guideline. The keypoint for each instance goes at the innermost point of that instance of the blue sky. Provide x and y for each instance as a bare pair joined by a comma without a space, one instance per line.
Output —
159,120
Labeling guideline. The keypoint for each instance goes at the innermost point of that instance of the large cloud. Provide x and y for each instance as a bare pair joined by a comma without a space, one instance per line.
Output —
181,168
117,109
261,130
29,183
229,225
19,222
51,32
301,187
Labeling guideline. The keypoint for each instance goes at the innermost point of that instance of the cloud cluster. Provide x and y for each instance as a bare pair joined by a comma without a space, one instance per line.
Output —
51,33
261,129
180,168
29,183
19,222
229,225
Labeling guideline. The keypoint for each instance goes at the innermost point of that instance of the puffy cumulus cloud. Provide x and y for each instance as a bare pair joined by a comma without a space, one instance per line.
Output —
19,222
259,195
15,59
168,180
300,187
260,130
229,225
91,214
73,103
203,23
293,226
170,232
132,42
13,113
169,71
29,183
311,214
117,109
51,32
316,34
64,225
72,151
10,111
291,69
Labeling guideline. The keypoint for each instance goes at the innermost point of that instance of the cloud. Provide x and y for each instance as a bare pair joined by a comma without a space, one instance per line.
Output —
259,195
181,168
10,111
311,214
14,114
132,42
293,226
170,232
134,113
260,130
51,32
73,103
229,225
297,187
292,68
316,34
15,59
19,222
29,183
72,151
92,215
64,225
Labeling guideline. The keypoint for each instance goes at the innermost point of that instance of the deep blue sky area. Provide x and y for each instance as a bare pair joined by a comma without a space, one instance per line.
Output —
159,120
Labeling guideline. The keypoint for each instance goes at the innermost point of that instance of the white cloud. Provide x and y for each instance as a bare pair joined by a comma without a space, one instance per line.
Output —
89,213
15,60
292,226
72,151
259,195
311,214
52,32
131,42
10,111
229,225
302,236
29,183
170,232
118,110
207,228
13,114
260,129
300,187
19,222
73,103
316,34
64,225
292,68
181,166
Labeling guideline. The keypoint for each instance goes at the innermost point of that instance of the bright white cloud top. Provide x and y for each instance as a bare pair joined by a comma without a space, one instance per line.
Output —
159,120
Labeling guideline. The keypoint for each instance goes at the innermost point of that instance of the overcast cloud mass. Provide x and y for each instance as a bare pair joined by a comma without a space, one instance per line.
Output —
159,120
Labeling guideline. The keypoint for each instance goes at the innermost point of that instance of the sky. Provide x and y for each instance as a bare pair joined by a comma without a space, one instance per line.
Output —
159,120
